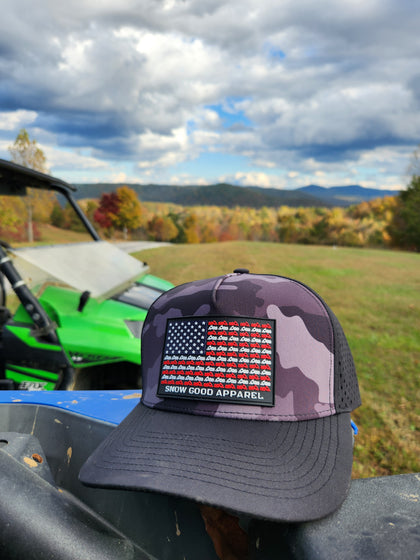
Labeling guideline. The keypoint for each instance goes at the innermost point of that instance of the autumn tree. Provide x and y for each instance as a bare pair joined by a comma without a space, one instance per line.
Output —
27,153
288,229
404,228
162,228
129,212
89,209
178,219
106,213
57,216
11,221
119,210
230,232
191,229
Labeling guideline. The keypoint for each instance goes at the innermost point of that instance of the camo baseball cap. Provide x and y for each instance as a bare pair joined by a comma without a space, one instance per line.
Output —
248,385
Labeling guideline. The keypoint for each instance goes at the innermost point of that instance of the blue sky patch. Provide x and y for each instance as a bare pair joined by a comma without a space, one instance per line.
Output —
229,115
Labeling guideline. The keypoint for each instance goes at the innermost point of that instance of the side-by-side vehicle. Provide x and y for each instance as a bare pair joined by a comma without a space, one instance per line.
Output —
79,307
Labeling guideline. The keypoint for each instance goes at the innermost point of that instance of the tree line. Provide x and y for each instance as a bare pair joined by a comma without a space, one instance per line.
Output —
384,222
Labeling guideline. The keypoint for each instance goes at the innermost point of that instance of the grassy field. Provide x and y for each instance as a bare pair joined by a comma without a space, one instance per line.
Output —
376,296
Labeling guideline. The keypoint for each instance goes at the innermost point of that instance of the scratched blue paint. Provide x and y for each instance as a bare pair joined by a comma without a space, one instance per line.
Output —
106,406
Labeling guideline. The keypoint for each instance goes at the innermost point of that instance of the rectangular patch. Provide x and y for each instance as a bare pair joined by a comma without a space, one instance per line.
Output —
219,359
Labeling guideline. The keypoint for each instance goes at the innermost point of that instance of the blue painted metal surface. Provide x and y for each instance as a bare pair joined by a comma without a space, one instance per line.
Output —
106,406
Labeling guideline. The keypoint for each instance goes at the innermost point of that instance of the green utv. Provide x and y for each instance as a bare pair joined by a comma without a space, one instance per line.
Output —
80,307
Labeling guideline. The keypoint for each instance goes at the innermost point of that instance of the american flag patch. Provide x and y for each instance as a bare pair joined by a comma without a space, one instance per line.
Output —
221,359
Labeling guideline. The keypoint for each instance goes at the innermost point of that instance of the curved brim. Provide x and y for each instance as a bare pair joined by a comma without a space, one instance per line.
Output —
282,471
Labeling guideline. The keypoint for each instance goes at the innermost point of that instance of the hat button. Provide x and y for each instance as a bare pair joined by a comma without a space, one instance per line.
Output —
241,271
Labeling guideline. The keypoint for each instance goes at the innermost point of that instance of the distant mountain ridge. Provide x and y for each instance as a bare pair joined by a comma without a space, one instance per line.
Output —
224,194
349,194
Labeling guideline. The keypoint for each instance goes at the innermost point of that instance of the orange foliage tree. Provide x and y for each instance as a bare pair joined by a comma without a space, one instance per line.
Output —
119,210
162,228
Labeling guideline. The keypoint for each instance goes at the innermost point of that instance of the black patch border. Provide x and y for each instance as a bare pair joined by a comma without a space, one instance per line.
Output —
222,399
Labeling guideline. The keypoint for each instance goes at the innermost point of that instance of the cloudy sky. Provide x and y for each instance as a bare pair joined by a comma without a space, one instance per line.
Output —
253,92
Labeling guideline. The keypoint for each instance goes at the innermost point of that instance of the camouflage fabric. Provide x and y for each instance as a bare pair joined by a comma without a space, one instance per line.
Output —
304,344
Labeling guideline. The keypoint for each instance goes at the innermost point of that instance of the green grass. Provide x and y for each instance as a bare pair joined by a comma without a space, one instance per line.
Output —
376,296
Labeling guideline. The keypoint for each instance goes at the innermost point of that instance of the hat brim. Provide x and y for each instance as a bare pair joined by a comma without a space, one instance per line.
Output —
282,471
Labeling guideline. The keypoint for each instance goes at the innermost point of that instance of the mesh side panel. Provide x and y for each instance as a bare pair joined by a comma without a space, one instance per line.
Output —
346,387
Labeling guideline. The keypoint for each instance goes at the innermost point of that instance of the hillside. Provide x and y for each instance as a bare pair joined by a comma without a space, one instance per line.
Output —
344,196
224,194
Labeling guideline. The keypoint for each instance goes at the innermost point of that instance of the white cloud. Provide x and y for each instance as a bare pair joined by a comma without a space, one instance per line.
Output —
264,163
156,84
159,150
73,165
185,179
16,119
253,178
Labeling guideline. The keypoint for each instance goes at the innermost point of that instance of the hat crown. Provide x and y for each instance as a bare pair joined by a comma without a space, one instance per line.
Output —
312,371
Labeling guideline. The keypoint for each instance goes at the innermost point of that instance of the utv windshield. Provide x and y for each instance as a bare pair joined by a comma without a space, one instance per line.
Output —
74,254
97,266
